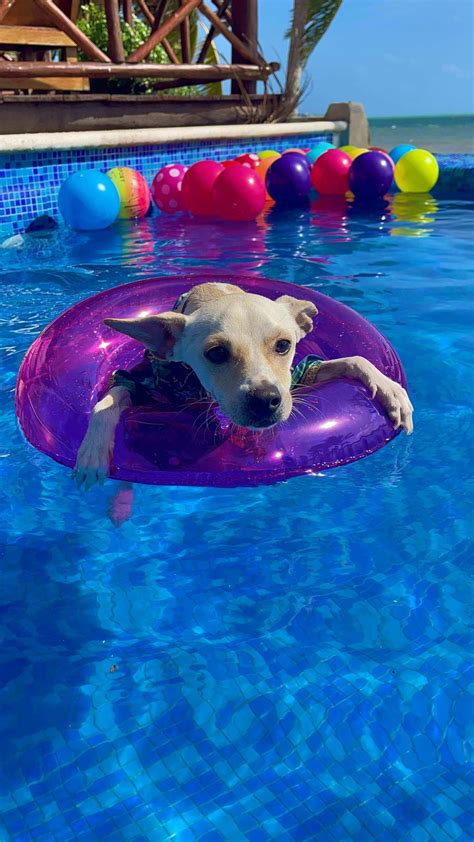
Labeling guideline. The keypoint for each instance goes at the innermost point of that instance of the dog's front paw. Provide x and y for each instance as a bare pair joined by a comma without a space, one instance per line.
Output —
92,462
391,395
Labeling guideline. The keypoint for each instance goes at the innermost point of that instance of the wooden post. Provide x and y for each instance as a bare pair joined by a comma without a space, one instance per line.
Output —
166,44
249,56
112,15
245,26
192,73
127,12
4,7
211,33
185,39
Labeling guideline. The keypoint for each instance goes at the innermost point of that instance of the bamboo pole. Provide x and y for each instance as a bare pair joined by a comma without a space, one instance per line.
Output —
160,10
166,44
156,37
66,25
210,34
112,15
99,70
244,51
227,13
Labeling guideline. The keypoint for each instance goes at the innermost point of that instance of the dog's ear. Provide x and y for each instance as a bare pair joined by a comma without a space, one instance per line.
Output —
302,312
158,333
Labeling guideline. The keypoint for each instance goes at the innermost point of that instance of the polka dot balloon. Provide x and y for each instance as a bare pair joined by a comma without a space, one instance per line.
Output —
166,188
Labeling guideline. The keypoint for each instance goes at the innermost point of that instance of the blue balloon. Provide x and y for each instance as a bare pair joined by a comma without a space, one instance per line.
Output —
89,200
400,150
318,150
288,180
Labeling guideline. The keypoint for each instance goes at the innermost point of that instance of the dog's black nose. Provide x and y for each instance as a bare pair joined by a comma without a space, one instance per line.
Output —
263,402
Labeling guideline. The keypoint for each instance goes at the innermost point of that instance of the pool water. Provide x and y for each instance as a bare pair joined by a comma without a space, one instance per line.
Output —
290,662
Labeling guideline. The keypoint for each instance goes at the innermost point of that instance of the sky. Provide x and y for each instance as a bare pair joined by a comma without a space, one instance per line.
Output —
398,57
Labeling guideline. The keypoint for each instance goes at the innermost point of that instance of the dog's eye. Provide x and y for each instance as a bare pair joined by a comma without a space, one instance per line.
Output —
217,355
283,346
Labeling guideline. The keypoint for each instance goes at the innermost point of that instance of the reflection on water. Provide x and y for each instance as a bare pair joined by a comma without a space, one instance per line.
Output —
419,209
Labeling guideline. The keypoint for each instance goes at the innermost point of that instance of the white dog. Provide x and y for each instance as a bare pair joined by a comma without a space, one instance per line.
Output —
230,346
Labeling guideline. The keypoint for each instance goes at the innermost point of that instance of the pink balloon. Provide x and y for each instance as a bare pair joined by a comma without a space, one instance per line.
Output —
239,194
167,188
197,187
330,173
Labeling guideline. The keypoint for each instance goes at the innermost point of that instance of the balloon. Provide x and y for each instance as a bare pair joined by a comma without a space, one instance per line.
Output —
330,173
238,194
89,200
288,179
300,151
398,151
370,175
318,150
417,171
348,148
198,182
378,149
263,168
356,152
250,159
167,187
133,191
268,153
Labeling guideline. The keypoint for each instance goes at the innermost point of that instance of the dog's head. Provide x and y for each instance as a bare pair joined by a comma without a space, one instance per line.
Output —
240,345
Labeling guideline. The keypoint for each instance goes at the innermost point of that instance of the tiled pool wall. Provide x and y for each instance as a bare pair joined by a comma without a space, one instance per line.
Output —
30,181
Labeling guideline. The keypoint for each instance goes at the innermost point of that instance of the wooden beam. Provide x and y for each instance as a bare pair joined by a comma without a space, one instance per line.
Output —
185,39
227,13
66,25
115,44
193,73
163,30
160,10
211,33
244,51
34,36
4,7
127,12
165,43
245,27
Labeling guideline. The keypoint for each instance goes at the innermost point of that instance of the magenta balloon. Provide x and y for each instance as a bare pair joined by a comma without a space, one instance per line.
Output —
68,367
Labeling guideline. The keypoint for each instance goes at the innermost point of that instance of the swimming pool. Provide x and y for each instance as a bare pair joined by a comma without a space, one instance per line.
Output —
290,662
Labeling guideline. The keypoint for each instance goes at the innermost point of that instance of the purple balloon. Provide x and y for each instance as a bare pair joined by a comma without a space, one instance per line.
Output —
288,180
371,175
68,368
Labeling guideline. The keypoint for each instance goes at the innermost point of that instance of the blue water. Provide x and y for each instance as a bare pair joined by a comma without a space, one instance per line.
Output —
290,662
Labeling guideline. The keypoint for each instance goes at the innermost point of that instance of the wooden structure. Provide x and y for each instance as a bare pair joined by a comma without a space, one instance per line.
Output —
25,32
32,28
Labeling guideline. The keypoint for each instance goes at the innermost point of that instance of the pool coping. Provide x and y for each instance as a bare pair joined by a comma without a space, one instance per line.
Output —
107,138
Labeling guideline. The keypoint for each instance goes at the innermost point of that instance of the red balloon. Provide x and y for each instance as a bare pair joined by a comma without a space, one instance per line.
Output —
239,194
198,182
330,173
379,149
250,159
228,163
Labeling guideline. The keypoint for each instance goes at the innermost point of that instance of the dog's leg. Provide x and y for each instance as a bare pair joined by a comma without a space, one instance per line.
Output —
391,395
121,504
92,463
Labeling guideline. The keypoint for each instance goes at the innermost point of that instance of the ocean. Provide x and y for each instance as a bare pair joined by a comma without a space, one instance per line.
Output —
445,134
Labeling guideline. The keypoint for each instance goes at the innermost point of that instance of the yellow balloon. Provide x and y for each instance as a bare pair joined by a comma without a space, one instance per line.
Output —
356,152
268,153
416,171
348,149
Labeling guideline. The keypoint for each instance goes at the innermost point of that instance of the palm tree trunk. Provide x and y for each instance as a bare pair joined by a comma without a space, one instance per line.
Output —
294,70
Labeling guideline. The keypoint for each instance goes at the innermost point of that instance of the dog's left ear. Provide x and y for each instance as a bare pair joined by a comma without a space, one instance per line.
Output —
157,333
302,312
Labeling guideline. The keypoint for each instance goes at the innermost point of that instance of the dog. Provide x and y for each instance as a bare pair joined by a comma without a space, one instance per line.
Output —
232,347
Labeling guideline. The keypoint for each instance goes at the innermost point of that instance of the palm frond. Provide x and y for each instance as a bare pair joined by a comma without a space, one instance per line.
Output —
319,17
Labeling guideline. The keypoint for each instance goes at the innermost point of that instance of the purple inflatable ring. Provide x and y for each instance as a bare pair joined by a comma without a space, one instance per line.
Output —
69,364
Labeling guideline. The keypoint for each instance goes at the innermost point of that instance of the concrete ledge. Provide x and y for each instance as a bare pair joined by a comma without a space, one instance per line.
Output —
152,137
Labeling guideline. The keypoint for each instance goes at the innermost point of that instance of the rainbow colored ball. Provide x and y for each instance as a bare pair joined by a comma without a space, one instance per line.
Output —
133,191
238,194
89,201
166,188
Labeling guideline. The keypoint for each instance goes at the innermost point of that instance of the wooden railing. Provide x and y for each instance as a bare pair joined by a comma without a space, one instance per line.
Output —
235,20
